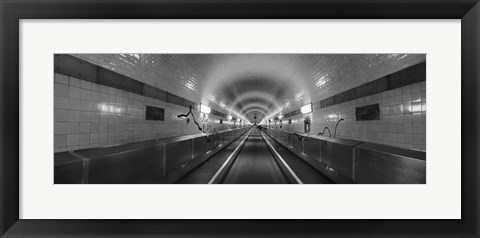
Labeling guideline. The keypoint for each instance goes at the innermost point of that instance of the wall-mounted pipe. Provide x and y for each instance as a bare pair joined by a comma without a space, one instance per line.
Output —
335,131
329,133
186,115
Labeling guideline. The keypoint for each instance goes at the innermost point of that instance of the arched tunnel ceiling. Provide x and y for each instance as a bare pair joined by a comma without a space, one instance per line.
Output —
254,83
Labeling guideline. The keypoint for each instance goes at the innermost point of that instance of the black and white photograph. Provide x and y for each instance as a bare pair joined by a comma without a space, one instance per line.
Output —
239,118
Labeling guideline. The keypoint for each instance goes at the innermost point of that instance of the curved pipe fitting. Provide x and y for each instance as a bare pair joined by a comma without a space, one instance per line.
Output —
329,133
335,131
190,113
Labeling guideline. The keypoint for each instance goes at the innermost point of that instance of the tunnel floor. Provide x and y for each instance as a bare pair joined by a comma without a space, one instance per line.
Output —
305,172
204,172
254,164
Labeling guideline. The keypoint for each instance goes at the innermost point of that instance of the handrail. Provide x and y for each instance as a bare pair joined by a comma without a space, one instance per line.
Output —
158,143
208,135
301,137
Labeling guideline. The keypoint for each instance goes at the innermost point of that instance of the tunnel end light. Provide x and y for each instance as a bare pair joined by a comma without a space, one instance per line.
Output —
205,109
238,120
280,117
306,109
229,117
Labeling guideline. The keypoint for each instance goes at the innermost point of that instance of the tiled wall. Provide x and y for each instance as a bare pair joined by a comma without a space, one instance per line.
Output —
315,76
90,115
402,118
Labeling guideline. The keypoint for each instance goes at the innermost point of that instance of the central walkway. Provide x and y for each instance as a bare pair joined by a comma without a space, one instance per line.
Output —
255,164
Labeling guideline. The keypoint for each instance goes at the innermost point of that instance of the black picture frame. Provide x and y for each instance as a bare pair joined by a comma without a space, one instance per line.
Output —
12,11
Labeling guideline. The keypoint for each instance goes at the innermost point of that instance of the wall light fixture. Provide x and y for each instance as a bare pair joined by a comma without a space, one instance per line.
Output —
306,109
205,109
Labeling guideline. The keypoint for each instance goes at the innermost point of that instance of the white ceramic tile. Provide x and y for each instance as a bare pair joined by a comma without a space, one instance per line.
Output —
73,127
73,92
60,141
60,90
60,102
72,140
86,84
60,115
74,82
60,78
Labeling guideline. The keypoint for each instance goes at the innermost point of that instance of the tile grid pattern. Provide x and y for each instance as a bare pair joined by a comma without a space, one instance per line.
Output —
294,79
90,115
402,118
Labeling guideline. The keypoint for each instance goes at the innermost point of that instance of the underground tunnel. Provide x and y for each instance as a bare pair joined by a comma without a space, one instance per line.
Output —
239,118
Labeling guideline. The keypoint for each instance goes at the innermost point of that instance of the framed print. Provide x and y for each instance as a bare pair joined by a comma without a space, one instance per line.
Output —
239,118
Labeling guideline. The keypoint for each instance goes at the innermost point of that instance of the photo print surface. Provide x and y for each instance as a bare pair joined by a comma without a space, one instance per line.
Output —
239,118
